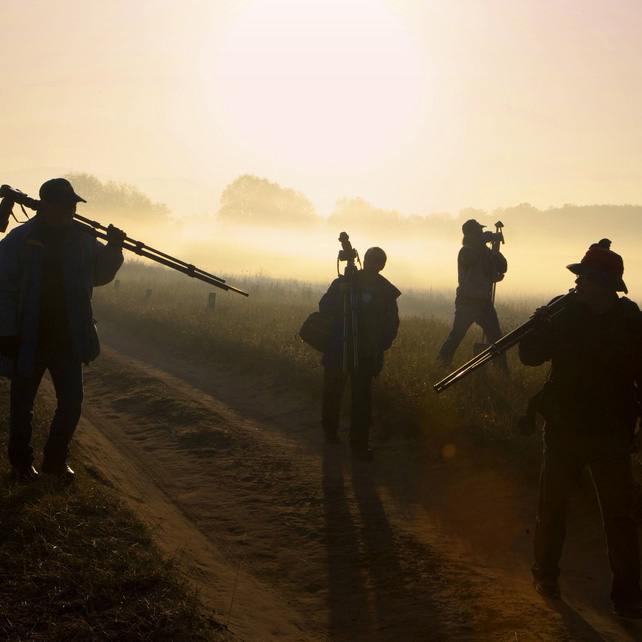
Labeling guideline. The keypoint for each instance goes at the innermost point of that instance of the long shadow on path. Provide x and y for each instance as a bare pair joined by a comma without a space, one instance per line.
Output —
381,585
347,599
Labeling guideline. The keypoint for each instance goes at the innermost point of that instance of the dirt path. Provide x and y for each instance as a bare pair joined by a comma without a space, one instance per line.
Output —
305,544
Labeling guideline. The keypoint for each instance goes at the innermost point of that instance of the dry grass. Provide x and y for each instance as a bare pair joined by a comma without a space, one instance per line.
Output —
258,334
77,565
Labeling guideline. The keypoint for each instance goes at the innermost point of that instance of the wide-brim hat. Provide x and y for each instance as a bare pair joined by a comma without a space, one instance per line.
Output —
604,264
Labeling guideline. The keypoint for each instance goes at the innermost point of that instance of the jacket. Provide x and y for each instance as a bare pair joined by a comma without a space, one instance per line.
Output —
377,319
86,263
478,267
596,363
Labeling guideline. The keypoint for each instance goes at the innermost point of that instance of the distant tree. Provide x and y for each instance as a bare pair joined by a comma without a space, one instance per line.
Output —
434,226
357,212
253,200
472,212
117,198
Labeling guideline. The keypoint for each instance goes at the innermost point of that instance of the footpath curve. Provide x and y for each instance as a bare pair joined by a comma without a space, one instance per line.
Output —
289,539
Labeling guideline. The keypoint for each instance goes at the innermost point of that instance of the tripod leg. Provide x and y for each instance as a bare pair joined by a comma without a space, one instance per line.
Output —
355,341
346,329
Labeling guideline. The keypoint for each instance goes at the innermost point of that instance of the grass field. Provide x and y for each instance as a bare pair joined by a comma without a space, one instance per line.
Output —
77,565
259,333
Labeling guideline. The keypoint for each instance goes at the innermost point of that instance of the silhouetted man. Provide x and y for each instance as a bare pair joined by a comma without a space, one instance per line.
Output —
478,267
591,407
48,268
377,325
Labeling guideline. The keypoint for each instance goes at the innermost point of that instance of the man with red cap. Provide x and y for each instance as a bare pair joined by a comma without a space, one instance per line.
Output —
590,404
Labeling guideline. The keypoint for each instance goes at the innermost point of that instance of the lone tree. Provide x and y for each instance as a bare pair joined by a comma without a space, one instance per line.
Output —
253,200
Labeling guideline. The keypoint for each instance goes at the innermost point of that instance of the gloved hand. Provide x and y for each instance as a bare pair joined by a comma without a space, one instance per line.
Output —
9,346
115,236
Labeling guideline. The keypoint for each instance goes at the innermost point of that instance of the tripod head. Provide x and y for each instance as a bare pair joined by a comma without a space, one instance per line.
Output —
495,238
347,253
10,196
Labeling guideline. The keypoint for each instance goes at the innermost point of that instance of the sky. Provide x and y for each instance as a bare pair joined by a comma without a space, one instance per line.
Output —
417,106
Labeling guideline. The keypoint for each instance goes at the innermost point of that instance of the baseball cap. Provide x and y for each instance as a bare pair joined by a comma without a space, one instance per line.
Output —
470,226
604,264
59,191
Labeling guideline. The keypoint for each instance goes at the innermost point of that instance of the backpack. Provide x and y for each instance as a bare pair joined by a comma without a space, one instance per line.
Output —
500,266
315,330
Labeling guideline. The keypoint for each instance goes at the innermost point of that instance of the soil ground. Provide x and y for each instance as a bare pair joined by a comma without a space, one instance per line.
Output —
287,538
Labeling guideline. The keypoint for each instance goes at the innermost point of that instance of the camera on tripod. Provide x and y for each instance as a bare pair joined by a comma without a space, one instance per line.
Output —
347,252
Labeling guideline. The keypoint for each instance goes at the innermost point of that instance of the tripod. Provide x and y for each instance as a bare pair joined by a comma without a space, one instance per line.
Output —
94,228
500,346
498,239
350,304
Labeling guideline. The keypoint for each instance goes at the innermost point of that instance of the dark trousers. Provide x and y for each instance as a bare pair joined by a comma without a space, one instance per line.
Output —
609,460
66,373
334,382
466,313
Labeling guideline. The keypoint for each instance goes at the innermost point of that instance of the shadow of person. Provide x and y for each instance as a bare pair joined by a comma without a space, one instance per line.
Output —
347,600
379,552
399,574
573,621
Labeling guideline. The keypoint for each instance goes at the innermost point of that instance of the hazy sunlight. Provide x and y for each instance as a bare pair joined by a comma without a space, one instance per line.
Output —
317,83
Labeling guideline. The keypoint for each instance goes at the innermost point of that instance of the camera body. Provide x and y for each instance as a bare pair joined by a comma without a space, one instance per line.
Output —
493,237
347,253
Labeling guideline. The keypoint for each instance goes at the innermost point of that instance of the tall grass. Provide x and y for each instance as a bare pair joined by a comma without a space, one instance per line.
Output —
259,333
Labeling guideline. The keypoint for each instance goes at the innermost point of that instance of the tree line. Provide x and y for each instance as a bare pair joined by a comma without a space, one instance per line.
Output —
252,200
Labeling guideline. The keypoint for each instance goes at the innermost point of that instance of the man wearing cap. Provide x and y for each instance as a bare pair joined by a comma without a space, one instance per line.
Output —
48,268
478,267
590,404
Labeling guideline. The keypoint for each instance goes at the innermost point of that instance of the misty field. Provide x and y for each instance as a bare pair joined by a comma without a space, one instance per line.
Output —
258,334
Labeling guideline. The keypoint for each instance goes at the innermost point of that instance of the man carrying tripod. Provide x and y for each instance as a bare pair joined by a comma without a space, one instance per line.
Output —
363,305
591,406
479,268
48,268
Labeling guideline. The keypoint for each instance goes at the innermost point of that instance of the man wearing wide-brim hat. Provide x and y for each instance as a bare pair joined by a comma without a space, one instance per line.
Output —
590,405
